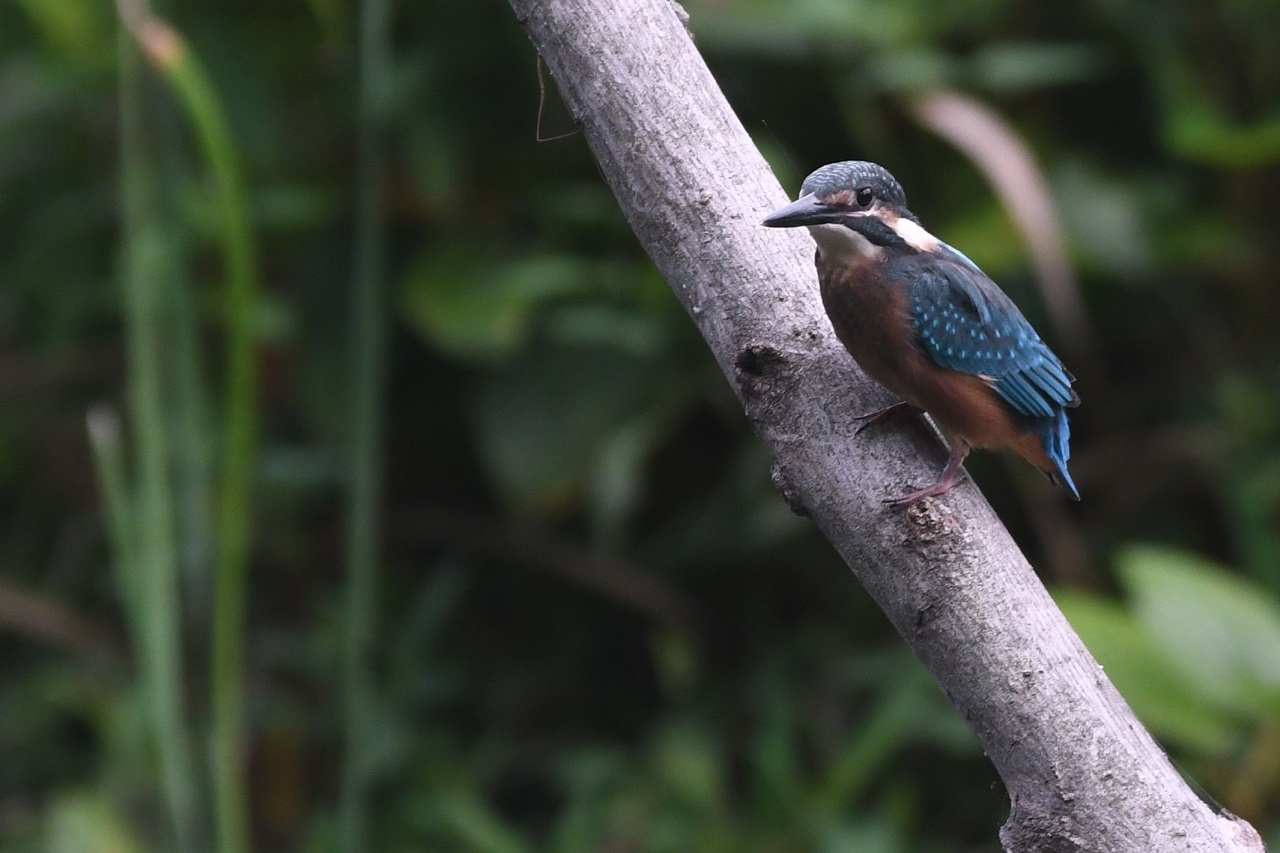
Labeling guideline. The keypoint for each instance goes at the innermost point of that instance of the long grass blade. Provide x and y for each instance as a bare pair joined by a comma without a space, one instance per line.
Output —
169,53
367,391
149,568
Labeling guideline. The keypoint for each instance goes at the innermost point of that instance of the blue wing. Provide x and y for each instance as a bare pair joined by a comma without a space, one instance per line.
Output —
948,248
965,322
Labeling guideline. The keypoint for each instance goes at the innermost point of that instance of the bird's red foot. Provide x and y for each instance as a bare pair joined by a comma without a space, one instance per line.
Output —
878,415
939,488
949,477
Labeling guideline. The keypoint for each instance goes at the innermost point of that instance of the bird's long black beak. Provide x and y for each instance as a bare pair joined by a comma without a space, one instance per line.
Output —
806,210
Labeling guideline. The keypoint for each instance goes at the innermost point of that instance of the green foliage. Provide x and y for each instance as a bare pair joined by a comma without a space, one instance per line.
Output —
1216,629
585,621
470,309
1195,655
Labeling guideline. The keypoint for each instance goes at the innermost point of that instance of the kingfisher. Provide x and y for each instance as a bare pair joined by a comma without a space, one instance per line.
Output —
925,322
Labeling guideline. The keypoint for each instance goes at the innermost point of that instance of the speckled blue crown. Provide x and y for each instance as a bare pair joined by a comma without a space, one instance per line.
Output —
851,174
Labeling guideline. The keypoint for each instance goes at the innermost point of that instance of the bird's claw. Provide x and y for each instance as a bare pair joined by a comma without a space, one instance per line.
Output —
878,415
915,497
946,480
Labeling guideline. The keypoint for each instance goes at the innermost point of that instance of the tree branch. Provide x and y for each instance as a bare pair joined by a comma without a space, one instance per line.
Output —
1081,772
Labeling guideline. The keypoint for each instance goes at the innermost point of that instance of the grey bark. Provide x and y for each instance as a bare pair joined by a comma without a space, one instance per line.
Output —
1081,772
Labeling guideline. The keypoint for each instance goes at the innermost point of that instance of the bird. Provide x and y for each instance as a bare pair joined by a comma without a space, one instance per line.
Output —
926,323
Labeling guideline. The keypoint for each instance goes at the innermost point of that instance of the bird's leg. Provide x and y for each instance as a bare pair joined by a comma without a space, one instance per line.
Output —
950,474
878,415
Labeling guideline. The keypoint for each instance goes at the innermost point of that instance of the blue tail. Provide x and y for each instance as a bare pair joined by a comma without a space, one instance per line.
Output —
1055,435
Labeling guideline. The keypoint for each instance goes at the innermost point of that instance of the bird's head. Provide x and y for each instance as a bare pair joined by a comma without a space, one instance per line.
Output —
854,209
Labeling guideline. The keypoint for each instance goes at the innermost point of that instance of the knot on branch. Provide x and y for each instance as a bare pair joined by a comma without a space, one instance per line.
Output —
758,360
765,379
787,489
935,531
1043,827
760,366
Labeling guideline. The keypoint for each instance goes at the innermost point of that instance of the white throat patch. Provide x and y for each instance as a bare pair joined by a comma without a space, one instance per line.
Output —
915,236
840,244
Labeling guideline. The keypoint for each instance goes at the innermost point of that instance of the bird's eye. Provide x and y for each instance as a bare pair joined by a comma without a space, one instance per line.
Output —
864,197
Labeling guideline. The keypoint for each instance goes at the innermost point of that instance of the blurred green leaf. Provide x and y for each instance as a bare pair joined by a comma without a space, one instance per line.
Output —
1162,696
1196,130
774,755
471,307
913,70
473,826
434,161
1220,632
613,326
1247,408
295,207
870,833
689,760
676,660
1103,216
1003,67
590,778
797,29
79,29
903,712
89,823
542,421
1020,66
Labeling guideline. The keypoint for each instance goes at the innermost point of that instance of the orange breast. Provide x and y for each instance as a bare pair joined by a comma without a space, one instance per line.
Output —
870,316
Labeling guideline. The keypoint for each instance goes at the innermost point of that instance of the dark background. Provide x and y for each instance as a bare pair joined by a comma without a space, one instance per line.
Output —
597,627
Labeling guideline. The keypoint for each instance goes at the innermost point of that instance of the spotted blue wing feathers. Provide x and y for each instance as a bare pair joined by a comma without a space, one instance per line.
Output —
967,323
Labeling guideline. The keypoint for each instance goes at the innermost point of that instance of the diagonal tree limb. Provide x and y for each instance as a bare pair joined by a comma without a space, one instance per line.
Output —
1081,772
